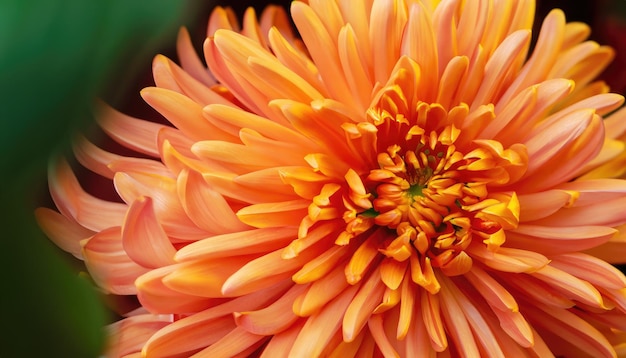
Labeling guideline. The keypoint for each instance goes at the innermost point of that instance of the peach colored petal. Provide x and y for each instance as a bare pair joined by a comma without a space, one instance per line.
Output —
157,297
109,265
206,207
286,213
64,232
321,265
457,322
280,344
508,259
233,120
355,67
204,277
167,206
408,310
375,324
191,333
225,184
516,119
492,291
570,286
143,238
320,293
363,304
590,269
504,57
72,201
237,341
557,240
544,55
94,158
418,42
264,271
295,60
184,113
322,50
252,241
272,319
607,213
536,290
322,325
575,330
133,133
189,59
169,75
539,205
129,335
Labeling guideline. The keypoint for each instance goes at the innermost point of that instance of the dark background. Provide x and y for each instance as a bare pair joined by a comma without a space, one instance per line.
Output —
55,57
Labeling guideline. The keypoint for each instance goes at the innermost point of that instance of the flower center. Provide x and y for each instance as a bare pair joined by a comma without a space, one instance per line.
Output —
431,198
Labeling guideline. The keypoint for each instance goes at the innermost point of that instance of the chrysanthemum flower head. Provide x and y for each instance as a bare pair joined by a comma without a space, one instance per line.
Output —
400,178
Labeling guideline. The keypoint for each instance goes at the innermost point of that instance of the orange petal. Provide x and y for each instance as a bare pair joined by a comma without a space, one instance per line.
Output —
320,293
129,335
494,293
274,318
143,238
573,329
133,133
157,297
206,207
571,287
191,333
253,241
73,202
360,309
109,264
264,271
590,269
64,232
375,324
281,343
235,342
286,213
322,325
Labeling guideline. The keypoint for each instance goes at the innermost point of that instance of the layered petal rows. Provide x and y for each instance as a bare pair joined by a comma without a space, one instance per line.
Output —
398,178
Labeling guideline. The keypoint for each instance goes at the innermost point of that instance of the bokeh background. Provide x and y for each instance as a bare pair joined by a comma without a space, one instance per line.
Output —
56,56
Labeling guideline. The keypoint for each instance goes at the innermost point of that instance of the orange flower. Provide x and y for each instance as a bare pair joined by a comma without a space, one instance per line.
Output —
403,179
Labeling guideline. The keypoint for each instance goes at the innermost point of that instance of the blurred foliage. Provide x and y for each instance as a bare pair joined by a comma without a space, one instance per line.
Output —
55,57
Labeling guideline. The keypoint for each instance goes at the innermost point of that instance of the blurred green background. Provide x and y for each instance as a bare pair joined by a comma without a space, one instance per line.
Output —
55,57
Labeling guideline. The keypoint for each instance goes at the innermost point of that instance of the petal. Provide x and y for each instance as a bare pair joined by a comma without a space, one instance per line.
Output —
64,232
143,238
253,241
130,334
574,330
235,342
157,297
362,305
206,207
286,213
322,325
133,133
184,113
73,202
272,319
206,327
590,269
109,264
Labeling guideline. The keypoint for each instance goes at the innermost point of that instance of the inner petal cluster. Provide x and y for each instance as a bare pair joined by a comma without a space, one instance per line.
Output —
431,198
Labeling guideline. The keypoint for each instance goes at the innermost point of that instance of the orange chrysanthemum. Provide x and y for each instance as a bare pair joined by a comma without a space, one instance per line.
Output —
400,180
